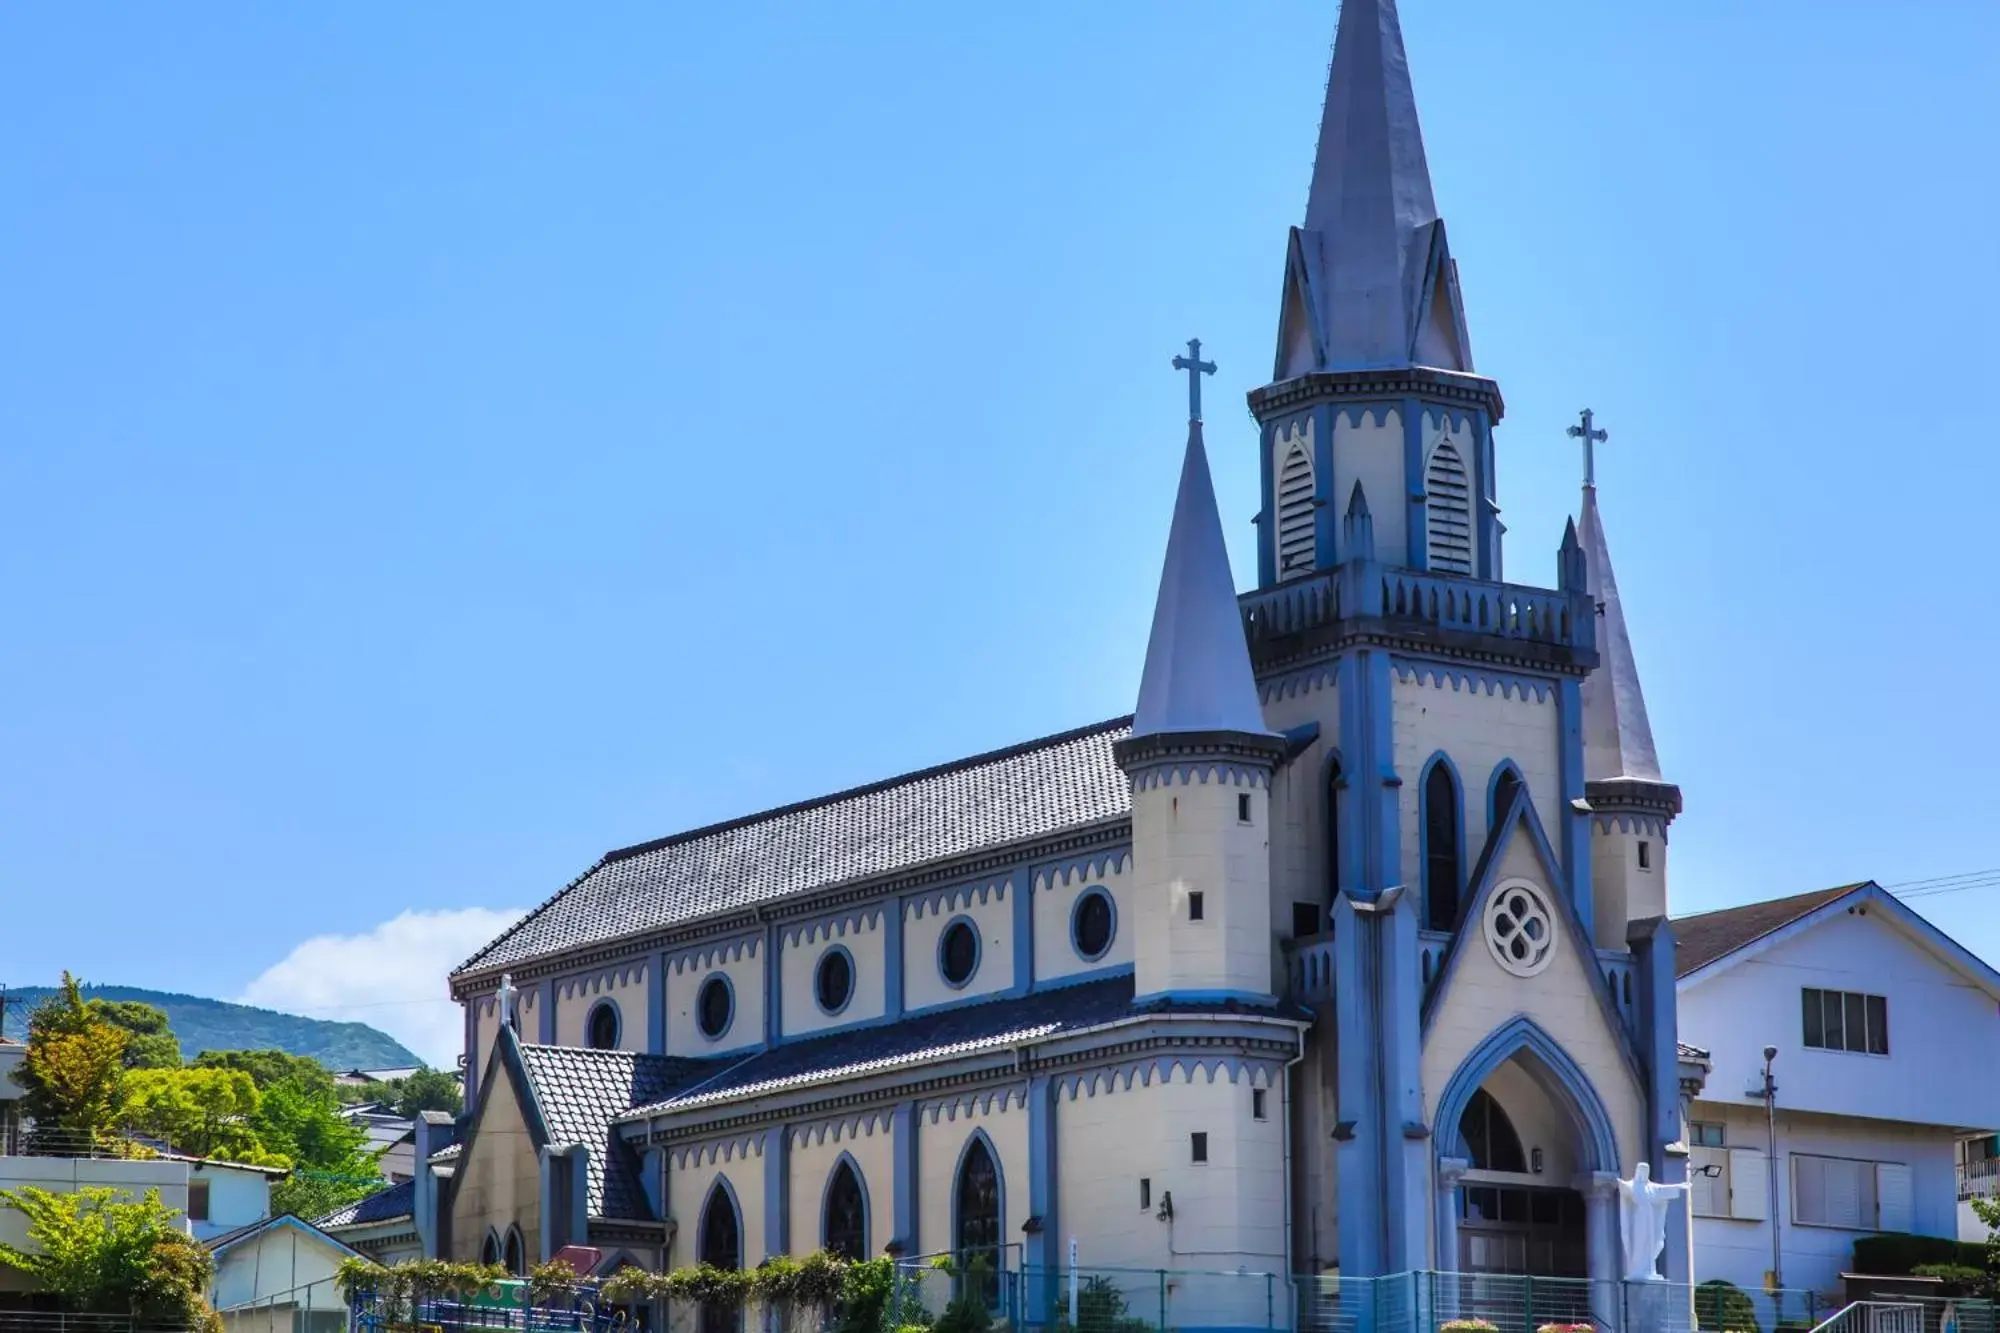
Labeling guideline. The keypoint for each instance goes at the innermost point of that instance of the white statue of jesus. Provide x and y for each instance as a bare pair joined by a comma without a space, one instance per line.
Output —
1642,1222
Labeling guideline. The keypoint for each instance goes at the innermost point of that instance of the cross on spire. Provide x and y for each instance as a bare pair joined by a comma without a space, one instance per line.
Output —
1586,429
1195,368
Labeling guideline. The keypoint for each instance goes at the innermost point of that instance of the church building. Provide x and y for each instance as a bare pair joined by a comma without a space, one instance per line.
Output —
1346,952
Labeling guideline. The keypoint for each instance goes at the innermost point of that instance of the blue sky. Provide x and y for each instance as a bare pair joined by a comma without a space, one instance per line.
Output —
438,445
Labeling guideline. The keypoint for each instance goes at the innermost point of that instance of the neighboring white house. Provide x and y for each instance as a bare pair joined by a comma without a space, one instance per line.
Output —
1885,1031
277,1276
1978,1176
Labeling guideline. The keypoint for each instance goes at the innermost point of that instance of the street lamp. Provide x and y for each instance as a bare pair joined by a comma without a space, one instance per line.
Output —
1771,1129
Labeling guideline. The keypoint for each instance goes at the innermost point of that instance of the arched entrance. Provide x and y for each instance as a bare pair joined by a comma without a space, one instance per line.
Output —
1521,1134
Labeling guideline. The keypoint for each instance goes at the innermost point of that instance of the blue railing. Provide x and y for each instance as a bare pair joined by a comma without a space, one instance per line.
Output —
1363,589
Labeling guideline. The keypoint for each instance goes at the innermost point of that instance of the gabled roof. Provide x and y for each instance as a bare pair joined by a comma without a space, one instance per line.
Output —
580,1093
384,1205
1702,939
288,1221
975,805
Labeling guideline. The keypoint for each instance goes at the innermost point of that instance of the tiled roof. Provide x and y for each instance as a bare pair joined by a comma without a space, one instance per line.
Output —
381,1206
933,1036
1701,940
988,801
447,1154
1687,1052
581,1092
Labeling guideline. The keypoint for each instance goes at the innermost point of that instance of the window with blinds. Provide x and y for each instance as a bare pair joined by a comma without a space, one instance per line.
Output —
1851,1195
1296,547
1845,1021
1448,510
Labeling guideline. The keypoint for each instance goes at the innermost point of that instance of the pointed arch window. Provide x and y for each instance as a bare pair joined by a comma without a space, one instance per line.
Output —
846,1222
489,1249
1333,785
719,1245
1447,510
1490,1141
1442,871
976,1225
515,1254
1297,545
1506,790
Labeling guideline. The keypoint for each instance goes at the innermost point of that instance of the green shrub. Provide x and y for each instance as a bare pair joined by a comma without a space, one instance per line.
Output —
1894,1253
1721,1307
1100,1308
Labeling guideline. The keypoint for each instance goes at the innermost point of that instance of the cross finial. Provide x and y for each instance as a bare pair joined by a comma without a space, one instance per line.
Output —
1586,430
1195,368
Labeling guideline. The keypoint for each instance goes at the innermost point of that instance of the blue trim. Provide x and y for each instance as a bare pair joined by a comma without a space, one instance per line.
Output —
1200,995
1555,1072
579,1196
1406,1164
1493,788
853,983
867,1209
1357,1137
903,1179
656,1004
1267,523
1076,910
1326,514
1331,770
1383,830
978,951
777,1192
1023,890
472,1070
774,986
1042,1251
1574,823
1354,879
720,1185
978,1135
617,1025
1441,759
892,960
1487,509
545,1016
1417,548
701,990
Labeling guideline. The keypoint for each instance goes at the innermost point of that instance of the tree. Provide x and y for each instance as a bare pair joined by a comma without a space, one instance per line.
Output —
201,1112
98,1254
428,1090
266,1067
149,1042
300,1119
72,1073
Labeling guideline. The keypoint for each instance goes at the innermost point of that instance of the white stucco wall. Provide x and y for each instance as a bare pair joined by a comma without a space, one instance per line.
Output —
65,1175
626,987
1299,802
693,1173
1056,897
236,1198
815,1152
864,939
1815,1256
1478,730
742,962
941,1140
1372,453
989,906
1936,1016
1561,999
1622,890
285,1265
1187,838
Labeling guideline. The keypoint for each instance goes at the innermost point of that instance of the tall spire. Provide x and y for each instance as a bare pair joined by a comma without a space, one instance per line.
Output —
1197,676
1617,737
1369,271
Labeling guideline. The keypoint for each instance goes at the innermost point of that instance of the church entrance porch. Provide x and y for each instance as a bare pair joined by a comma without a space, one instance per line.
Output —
1522,1229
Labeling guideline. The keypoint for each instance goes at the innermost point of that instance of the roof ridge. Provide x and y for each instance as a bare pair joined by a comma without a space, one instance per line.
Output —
1838,890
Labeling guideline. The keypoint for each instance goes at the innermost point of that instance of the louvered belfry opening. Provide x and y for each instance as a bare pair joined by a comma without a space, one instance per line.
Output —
1448,511
1296,551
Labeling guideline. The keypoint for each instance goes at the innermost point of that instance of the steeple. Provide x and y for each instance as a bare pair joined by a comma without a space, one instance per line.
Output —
1617,737
1197,676
1369,282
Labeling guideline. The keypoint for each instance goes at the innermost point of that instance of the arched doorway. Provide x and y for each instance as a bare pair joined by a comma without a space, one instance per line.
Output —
1519,1126
976,1218
719,1244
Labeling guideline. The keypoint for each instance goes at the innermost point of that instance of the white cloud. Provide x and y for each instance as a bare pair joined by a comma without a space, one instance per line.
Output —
391,977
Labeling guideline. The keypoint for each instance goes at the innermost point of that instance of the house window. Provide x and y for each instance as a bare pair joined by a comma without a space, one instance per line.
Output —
1145,1193
601,1032
1851,1195
197,1201
1305,920
1645,855
1296,512
1258,1099
1198,1147
1440,848
1194,905
958,953
1705,1134
1093,924
1243,807
1846,1021
1448,510
833,980
715,1006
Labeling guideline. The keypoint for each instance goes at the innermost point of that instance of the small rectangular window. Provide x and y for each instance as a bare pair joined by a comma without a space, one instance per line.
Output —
1243,808
1194,905
1305,920
1198,1147
197,1201
1845,1021
1645,855
1145,1193
1704,1134
1257,1102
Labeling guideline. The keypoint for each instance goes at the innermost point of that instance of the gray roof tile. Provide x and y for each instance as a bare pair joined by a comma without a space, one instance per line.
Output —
381,1206
580,1092
985,802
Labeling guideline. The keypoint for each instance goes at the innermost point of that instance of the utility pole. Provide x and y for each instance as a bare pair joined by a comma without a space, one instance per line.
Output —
1776,1282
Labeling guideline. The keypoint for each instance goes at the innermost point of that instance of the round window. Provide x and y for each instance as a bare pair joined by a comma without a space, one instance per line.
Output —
1520,928
714,1007
833,984
1092,924
601,1032
958,952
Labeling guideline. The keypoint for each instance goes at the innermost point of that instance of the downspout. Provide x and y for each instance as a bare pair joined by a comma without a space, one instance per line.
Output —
1285,1109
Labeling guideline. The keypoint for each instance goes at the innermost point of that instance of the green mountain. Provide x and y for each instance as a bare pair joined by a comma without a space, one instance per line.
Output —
216,1025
